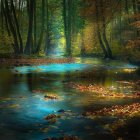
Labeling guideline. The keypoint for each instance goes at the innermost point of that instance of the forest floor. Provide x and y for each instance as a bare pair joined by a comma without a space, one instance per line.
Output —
33,61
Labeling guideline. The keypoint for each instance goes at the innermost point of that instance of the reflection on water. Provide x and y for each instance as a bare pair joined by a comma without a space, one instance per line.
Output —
51,68
23,112
81,64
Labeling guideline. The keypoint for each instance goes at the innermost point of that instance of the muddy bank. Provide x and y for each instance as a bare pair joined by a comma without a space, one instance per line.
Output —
33,61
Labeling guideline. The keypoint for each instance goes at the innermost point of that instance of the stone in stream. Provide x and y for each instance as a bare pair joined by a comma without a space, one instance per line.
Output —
51,116
51,97
61,111
64,138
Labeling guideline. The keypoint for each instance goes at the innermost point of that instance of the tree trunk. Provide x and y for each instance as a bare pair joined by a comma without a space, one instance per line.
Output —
17,27
134,6
30,4
2,25
35,35
42,27
12,28
5,17
109,52
82,44
126,7
108,49
138,6
98,30
69,28
47,38
67,25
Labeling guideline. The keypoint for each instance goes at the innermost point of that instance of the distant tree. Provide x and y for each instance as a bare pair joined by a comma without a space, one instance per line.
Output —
67,10
42,27
8,10
101,13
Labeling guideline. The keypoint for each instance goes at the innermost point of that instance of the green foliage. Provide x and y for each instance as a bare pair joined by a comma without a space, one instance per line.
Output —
119,20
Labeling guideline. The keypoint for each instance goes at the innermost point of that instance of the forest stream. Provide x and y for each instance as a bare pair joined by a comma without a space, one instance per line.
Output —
40,102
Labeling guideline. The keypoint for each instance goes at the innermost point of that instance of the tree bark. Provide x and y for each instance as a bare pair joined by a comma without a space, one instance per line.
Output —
42,27
30,4
126,7
5,17
83,51
17,27
108,49
35,34
98,30
109,52
47,37
12,28
67,25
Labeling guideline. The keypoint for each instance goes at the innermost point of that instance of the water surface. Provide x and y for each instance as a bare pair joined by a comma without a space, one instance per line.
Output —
23,111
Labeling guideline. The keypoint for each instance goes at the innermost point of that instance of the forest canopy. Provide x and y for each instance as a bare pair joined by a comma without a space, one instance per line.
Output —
108,28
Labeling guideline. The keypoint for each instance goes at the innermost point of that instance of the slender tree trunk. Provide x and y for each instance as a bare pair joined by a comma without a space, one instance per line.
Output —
74,20
108,49
98,30
67,24
12,28
35,34
134,6
47,38
138,6
126,7
109,52
82,44
5,17
2,25
42,27
30,4
102,44
65,15
138,12
69,52
17,27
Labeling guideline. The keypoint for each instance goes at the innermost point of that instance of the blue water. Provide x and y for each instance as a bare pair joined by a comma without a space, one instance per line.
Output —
52,68
80,65
23,111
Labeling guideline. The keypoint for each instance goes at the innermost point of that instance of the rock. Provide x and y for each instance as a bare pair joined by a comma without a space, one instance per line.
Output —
51,96
61,111
51,116
64,138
